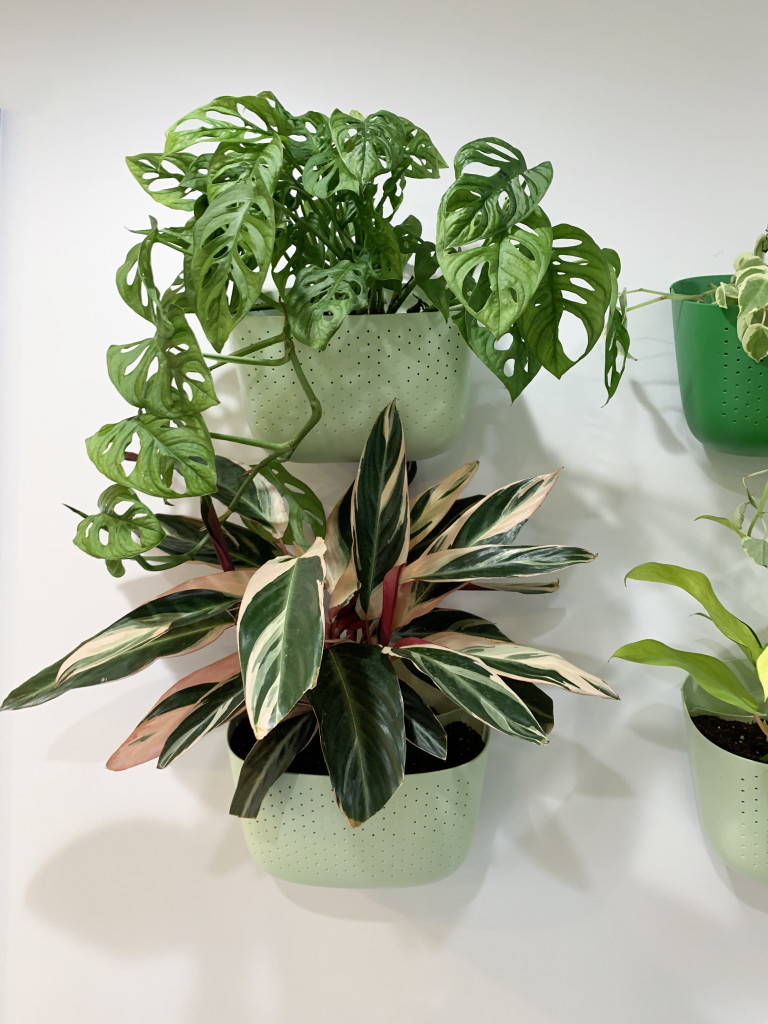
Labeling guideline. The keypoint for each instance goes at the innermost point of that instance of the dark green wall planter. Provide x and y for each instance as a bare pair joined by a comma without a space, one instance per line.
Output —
724,392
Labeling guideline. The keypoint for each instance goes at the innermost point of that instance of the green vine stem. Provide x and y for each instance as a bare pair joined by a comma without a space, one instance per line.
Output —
662,296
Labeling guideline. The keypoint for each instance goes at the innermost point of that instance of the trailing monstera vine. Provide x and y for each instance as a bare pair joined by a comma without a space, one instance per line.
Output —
336,626
301,215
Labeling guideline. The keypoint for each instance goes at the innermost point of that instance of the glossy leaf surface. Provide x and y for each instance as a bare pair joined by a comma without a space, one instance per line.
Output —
266,762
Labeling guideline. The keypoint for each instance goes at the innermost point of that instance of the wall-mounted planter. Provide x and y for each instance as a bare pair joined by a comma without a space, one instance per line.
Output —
731,791
423,833
417,358
723,391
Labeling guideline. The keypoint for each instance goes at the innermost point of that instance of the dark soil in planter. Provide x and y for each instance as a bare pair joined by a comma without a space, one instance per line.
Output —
464,744
745,739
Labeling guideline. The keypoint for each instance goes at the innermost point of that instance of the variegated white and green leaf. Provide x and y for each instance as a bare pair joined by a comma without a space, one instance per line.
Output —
498,517
422,727
213,708
473,686
261,500
380,508
488,562
429,508
360,710
149,737
280,635
528,664
338,541
267,760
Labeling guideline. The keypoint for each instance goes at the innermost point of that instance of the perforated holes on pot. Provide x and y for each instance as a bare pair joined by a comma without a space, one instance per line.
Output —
423,833
753,822
745,384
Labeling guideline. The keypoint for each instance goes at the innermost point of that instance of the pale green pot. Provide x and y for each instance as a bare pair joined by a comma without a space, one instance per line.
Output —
422,834
417,358
731,791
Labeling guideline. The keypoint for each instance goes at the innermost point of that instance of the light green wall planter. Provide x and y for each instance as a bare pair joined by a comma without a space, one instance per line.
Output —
422,834
731,791
414,357
723,391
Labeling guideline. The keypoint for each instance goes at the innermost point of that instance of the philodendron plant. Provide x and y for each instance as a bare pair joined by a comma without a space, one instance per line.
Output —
341,634
712,674
301,215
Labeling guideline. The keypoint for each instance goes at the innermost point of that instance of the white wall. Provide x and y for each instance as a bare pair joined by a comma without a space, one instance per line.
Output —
589,895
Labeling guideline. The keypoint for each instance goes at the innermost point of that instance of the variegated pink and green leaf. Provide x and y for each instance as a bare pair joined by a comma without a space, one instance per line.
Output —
267,760
147,740
169,625
514,661
232,583
213,708
260,501
360,710
338,542
498,517
280,635
380,508
490,561
430,507
475,687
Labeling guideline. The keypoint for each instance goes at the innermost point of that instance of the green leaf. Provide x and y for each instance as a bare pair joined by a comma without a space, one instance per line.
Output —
362,731
232,244
245,117
236,162
710,673
422,728
321,297
482,341
419,157
496,281
616,332
383,250
135,280
577,282
756,549
431,506
166,445
122,528
429,279
177,623
480,206
477,689
325,174
280,636
213,708
380,508
698,586
368,146
175,180
489,562
266,762
165,374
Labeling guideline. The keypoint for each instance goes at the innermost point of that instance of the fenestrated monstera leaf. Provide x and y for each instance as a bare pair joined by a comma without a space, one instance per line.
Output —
475,688
321,297
578,282
360,710
176,180
280,635
165,374
169,625
380,508
245,117
482,341
495,281
135,279
368,146
166,445
236,162
481,207
267,760
326,173
232,244
420,158
122,528
616,331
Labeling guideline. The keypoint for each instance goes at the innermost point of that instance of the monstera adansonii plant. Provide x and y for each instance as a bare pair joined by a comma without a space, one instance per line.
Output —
302,215
341,634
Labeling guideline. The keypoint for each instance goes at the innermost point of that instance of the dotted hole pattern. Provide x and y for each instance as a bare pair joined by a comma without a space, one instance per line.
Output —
370,361
745,384
423,834
753,823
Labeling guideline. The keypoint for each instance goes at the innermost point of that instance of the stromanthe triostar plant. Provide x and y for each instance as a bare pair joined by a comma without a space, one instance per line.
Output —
340,633
712,674
302,215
